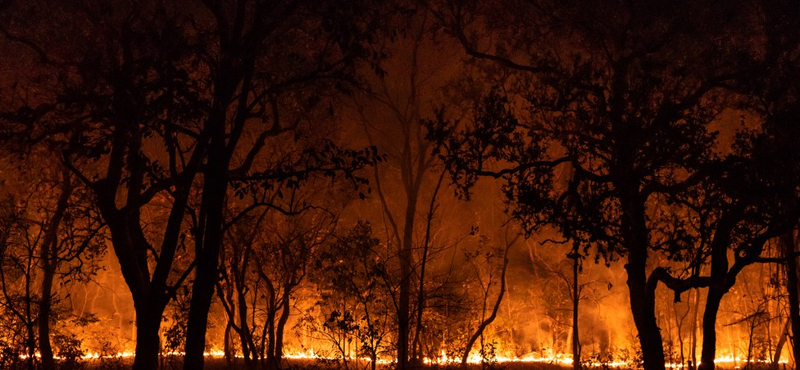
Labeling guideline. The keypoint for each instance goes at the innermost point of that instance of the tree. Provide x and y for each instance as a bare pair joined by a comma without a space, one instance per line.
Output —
391,114
53,237
776,90
355,294
623,104
486,282
171,101
265,260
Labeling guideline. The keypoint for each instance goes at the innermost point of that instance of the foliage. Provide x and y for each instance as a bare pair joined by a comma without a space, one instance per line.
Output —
68,348
175,332
353,296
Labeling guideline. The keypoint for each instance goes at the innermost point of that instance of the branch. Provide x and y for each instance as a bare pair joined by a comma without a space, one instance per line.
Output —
776,259
677,285
520,168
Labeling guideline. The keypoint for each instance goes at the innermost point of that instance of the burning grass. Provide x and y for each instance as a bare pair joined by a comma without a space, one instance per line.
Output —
219,363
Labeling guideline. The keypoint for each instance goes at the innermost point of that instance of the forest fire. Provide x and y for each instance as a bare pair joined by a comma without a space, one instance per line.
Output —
444,359
399,184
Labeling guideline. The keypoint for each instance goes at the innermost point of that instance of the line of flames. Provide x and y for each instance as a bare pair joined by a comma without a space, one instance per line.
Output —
564,360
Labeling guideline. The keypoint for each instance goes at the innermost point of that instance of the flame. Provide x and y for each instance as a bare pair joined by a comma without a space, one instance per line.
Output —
443,358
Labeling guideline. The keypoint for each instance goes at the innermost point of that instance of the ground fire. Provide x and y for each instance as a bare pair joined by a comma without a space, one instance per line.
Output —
401,184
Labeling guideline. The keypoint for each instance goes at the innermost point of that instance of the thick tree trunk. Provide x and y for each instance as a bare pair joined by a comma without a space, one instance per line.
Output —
643,309
792,288
148,322
709,351
215,185
202,293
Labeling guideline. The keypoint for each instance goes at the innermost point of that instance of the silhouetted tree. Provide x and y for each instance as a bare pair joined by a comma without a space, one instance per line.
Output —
607,134
355,295
53,238
391,113
169,101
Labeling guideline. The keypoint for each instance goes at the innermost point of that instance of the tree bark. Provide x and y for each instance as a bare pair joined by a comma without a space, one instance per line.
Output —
643,309
230,357
403,309
207,251
279,330
709,351
45,305
792,288
148,322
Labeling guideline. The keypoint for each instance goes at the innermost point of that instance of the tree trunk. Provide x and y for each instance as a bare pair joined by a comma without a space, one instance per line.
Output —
270,339
230,357
709,351
404,304
279,330
148,322
643,309
792,288
776,357
417,346
576,342
215,185
249,350
49,260
202,293
693,340
45,305
495,308
31,346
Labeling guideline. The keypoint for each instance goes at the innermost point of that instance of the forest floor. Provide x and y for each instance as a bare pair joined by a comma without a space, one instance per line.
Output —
221,364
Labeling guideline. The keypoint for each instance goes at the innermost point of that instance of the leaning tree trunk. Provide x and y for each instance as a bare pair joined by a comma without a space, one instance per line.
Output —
488,321
776,356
